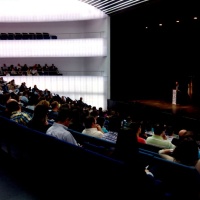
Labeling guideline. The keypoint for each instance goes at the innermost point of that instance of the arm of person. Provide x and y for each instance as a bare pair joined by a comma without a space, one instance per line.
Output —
165,153
99,128
164,136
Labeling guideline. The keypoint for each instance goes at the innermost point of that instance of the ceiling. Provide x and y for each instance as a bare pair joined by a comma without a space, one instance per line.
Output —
110,7
164,7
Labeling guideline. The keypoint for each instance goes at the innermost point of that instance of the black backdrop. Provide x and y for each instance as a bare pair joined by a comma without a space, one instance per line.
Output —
145,63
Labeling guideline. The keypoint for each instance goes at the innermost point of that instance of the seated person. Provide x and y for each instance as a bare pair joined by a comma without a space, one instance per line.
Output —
183,133
52,115
77,120
91,128
14,109
101,121
186,152
159,138
39,121
137,129
59,128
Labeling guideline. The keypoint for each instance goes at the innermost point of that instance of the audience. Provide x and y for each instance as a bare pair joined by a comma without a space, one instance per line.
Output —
76,115
25,70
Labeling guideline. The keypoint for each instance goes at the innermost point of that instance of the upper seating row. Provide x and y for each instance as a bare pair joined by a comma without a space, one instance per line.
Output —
26,36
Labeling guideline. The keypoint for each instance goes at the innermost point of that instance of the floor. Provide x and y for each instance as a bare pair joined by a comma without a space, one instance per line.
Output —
13,186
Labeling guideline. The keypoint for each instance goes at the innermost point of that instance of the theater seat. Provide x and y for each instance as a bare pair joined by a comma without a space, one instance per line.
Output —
4,36
46,36
32,36
11,36
18,36
53,37
39,36
25,36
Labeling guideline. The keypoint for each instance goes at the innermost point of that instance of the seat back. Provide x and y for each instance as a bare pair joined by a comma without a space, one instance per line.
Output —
180,180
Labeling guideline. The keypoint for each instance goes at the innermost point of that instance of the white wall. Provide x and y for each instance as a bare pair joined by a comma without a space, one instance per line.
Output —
68,66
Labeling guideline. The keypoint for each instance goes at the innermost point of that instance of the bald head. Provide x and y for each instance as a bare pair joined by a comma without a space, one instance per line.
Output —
182,132
185,133
10,100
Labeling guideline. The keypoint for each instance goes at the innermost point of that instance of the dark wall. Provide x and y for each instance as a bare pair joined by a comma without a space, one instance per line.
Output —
145,63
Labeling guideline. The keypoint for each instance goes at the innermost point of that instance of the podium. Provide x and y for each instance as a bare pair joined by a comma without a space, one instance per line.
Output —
174,97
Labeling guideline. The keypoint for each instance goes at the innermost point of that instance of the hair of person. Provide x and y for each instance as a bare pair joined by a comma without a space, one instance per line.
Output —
89,120
126,145
100,121
40,111
135,126
159,128
186,152
12,105
64,113
44,102
54,104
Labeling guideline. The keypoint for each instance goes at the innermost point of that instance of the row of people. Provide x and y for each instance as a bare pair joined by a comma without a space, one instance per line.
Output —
25,70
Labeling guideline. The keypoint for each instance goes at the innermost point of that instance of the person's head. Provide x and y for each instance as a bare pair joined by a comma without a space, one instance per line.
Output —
55,105
64,115
182,132
100,121
44,102
187,152
126,145
94,113
12,105
89,121
159,129
33,99
6,97
170,130
136,127
40,113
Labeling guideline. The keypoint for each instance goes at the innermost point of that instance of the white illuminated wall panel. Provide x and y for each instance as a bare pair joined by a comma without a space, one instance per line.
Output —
93,47
91,88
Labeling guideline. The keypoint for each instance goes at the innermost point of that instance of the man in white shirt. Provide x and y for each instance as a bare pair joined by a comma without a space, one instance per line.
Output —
59,128
91,128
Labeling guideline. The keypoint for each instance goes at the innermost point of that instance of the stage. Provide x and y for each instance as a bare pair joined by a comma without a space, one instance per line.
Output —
189,111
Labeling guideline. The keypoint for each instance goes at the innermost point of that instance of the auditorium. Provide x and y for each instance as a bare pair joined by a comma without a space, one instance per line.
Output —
125,61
